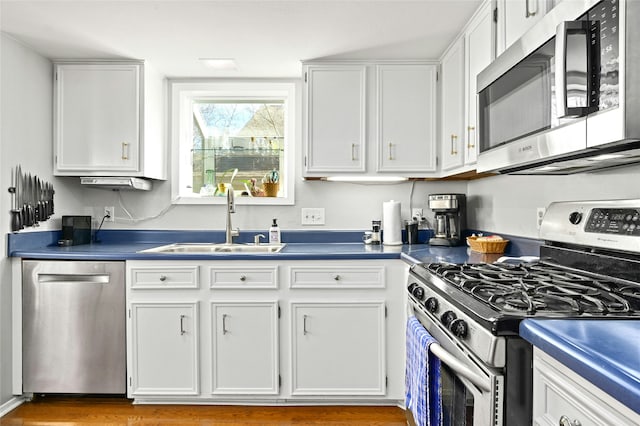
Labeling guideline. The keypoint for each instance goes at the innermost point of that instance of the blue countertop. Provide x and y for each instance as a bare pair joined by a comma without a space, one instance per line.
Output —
605,352
127,244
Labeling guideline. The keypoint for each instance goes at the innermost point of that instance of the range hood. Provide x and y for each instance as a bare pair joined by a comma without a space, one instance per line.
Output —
588,160
117,183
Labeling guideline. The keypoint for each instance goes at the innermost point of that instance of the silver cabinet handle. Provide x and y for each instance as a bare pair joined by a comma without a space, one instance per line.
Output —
243,277
163,278
469,143
304,325
566,421
353,150
454,151
390,151
182,330
224,324
125,151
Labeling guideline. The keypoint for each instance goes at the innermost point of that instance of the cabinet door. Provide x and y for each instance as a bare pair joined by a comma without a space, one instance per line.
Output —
335,119
97,117
338,348
517,16
406,118
165,348
452,79
562,397
244,348
479,54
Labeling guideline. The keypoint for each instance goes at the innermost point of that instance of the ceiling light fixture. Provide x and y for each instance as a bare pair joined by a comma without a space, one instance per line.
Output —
219,63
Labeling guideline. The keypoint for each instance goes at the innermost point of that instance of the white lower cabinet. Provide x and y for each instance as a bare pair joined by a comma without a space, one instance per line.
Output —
244,345
562,397
338,348
164,349
266,332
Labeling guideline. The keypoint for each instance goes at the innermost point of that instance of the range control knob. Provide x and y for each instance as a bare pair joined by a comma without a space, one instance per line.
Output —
432,304
459,328
418,293
575,217
411,287
448,317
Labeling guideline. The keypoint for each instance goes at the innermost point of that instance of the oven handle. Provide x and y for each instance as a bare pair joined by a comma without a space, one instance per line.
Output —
562,31
482,383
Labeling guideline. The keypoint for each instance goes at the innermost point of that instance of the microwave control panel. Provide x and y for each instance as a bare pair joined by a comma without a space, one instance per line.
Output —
614,221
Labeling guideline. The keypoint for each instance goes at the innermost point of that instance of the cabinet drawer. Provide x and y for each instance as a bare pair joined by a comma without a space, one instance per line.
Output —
165,277
243,277
337,277
559,393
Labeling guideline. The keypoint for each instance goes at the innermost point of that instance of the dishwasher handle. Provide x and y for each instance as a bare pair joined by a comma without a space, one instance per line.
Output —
66,278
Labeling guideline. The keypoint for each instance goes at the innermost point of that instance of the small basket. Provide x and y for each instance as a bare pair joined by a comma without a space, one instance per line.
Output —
488,246
271,189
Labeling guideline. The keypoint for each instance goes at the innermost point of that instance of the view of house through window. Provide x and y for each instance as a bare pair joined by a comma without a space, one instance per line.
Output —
239,145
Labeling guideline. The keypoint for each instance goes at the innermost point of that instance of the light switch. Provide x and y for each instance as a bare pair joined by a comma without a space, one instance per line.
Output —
313,216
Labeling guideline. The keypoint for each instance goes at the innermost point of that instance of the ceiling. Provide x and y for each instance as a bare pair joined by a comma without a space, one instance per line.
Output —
267,38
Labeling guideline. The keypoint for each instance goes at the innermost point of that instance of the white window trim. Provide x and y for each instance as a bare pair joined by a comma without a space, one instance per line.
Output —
182,94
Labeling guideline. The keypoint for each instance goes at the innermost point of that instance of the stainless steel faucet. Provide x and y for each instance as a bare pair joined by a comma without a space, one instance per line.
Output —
231,208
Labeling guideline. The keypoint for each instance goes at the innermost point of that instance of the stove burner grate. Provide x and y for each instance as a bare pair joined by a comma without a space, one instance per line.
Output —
540,288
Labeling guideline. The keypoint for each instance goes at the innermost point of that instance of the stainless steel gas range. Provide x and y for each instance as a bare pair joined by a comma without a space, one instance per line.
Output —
589,267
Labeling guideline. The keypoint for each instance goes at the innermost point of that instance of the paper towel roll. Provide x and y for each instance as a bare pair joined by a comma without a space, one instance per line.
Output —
391,223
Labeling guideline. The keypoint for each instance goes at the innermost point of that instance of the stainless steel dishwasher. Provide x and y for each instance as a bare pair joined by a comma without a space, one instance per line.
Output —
73,327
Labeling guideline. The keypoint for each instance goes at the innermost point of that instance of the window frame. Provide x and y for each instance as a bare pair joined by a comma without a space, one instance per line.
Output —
183,93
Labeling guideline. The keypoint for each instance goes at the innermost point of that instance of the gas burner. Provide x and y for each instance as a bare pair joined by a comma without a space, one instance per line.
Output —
539,288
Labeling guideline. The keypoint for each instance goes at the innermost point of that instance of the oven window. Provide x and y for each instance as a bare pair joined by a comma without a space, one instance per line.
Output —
457,401
521,102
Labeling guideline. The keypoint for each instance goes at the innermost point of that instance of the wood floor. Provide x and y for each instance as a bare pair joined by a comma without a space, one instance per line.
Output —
119,411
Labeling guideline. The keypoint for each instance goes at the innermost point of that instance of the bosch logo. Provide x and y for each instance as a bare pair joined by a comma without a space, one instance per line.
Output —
525,148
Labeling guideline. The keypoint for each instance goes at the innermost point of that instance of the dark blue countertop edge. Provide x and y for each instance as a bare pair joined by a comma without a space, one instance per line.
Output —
595,361
301,244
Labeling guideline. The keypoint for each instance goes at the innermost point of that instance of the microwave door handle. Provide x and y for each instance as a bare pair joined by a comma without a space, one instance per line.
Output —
483,383
562,31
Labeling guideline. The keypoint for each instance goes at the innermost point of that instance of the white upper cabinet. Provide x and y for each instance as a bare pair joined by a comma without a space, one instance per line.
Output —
515,17
392,100
466,57
479,52
335,119
108,120
453,99
406,118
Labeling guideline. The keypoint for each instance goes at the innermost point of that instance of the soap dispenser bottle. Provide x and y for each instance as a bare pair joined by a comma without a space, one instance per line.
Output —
274,233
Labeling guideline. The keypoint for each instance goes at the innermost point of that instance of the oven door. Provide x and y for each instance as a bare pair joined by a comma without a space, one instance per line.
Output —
471,391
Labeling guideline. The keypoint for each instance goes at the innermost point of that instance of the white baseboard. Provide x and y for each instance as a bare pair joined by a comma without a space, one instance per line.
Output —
10,405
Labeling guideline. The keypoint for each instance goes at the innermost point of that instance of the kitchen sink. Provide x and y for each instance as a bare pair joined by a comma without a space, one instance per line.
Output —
198,248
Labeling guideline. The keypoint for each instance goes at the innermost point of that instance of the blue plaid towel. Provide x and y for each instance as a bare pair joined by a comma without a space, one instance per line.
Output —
422,376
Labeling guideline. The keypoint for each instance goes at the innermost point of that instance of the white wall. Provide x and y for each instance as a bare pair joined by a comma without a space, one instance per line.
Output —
507,204
26,138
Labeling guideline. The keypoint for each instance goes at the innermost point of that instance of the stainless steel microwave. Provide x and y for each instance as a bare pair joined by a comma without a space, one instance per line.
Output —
565,98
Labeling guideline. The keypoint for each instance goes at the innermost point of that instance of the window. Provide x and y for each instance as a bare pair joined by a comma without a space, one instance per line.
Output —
233,136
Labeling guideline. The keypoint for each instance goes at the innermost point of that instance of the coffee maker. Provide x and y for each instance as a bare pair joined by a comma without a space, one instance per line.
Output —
449,221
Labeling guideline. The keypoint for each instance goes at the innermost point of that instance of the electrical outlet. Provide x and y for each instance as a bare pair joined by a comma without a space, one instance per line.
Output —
540,211
111,212
417,214
313,216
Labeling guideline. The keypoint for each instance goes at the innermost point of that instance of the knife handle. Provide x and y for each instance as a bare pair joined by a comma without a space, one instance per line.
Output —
16,220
